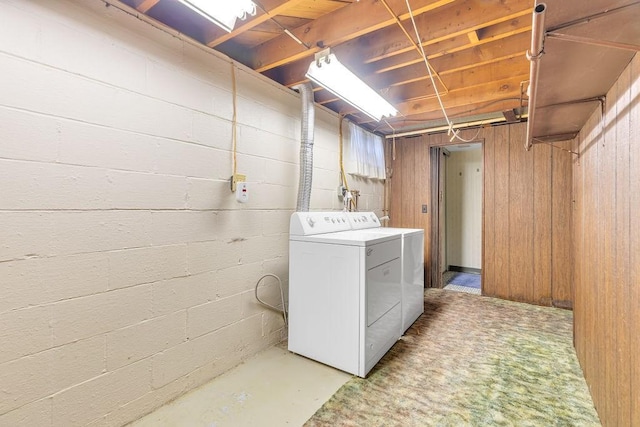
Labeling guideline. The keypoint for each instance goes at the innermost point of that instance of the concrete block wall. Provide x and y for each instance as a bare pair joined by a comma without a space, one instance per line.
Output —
126,266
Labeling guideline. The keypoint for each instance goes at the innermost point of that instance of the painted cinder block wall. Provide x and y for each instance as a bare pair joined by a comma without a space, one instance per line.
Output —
126,266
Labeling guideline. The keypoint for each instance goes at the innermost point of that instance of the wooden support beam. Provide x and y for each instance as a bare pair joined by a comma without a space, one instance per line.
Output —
496,51
491,75
323,97
487,34
468,78
473,109
292,74
473,37
344,24
454,20
508,88
146,5
273,8
465,79
485,98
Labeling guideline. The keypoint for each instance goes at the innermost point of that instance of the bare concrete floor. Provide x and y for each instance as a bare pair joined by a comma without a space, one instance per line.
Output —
274,388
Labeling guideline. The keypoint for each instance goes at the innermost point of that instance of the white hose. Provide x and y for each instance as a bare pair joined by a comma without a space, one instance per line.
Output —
284,308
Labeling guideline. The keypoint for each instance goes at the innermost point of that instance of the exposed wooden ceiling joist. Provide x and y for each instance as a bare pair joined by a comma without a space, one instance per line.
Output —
458,61
345,24
292,74
468,78
506,88
433,50
456,19
460,74
145,5
476,46
272,8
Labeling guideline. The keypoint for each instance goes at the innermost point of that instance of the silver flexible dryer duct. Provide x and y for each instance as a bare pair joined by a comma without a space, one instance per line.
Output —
306,147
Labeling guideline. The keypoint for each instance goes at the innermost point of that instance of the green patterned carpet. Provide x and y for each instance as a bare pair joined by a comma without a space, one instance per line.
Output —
471,361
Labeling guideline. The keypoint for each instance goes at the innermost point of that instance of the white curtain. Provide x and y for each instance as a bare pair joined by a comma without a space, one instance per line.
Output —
363,153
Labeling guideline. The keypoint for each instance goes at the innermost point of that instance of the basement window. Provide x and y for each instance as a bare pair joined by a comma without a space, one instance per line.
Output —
363,153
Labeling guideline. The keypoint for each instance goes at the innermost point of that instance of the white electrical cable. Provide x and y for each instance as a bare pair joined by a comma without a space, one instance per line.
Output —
426,62
456,135
284,308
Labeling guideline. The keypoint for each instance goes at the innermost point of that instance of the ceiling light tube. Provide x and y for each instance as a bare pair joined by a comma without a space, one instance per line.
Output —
222,13
329,73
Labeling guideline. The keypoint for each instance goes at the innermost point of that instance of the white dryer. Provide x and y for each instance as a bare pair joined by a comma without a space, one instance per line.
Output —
412,260
344,292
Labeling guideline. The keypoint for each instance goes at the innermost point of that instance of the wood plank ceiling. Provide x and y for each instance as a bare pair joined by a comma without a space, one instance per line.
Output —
476,47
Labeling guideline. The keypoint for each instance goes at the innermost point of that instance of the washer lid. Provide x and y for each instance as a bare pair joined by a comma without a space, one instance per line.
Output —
349,238
398,230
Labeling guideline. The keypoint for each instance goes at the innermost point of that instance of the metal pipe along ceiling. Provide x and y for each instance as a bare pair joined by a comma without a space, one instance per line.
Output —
534,55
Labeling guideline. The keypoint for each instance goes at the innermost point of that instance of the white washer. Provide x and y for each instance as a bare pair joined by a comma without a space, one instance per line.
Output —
344,292
412,259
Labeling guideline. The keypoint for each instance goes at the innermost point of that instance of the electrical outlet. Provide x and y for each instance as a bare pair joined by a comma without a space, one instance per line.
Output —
235,179
242,192
424,208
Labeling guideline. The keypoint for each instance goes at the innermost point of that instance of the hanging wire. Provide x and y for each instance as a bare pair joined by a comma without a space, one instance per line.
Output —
393,140
343,176
390,127
455,132
426,61
341,152
234,136
456,135
282,27
415,45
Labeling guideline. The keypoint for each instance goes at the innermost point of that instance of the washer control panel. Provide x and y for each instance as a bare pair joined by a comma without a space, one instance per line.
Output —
361,220
309,223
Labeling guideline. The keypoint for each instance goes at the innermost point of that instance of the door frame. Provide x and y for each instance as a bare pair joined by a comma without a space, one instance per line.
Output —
436,195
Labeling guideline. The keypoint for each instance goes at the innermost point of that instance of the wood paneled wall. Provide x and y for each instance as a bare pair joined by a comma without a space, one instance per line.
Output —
527,252
527,220
607,252
409,187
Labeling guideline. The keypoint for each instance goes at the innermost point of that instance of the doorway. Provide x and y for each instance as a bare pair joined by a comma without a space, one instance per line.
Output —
456,193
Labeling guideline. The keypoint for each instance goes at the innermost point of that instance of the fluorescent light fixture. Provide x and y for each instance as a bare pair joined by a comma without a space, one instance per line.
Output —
329,73
222,12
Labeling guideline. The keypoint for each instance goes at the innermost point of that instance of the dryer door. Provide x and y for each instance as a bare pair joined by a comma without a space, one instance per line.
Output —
384,312
382,289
